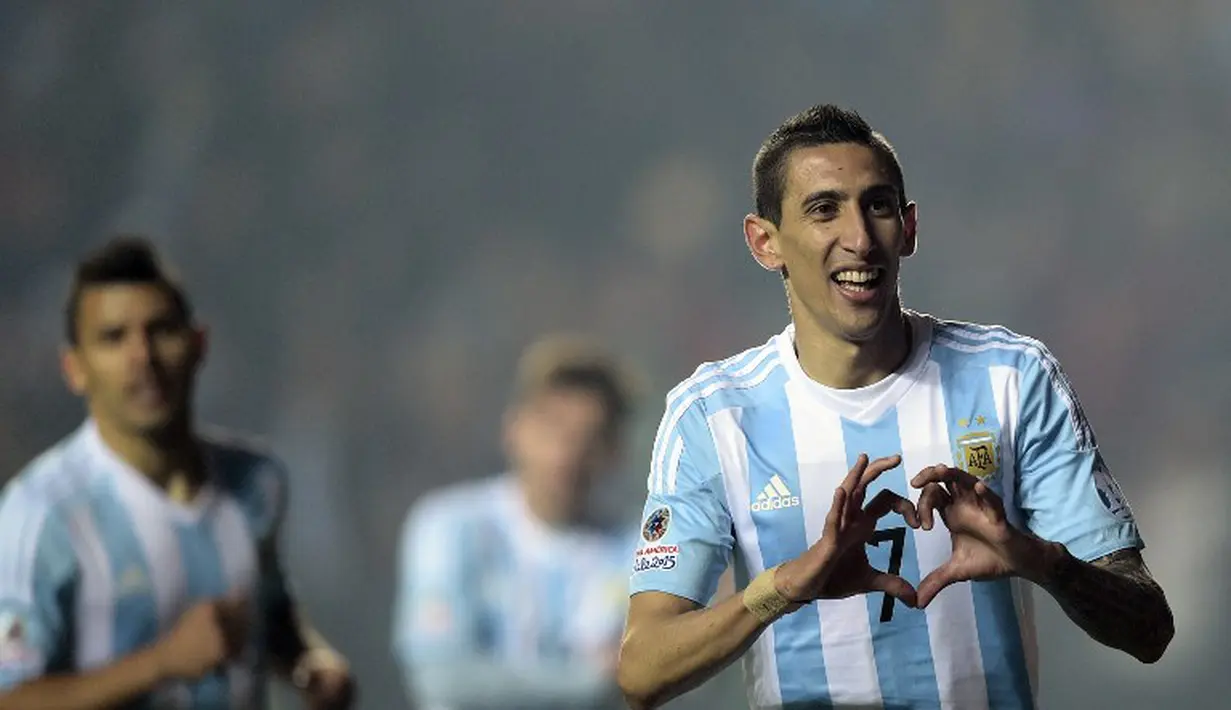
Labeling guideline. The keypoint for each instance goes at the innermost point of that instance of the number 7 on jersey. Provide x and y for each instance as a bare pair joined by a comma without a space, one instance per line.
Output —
896,536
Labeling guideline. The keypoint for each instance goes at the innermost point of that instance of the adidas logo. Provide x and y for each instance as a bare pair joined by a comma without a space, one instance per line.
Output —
775,496
133,581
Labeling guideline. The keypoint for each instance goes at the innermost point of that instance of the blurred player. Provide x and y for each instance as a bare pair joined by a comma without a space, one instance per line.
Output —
138,557
983,468
513,590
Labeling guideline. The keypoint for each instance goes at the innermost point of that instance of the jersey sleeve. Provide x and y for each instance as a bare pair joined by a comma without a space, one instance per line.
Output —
270,499
686,529
1064,488
36,573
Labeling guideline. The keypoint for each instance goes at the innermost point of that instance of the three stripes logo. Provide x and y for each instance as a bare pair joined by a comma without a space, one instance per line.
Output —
775,496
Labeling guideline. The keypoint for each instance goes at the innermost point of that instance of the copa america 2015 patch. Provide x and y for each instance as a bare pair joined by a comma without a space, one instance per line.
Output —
652,555
15,649
656,524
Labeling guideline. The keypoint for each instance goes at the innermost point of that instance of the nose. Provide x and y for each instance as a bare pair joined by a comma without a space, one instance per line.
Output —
140,348
857,234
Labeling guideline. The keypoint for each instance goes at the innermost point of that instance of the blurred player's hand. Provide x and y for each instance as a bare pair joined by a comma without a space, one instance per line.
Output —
985,545
207,635
836,566
325,680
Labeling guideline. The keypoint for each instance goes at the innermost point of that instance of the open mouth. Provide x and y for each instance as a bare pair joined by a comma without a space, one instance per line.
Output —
859,280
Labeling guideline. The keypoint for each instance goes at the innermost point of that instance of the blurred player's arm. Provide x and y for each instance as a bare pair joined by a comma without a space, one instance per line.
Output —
298,652
1069,496
291,637
438,636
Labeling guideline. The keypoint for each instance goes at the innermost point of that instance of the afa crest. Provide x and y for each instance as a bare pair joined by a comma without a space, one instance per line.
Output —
976,454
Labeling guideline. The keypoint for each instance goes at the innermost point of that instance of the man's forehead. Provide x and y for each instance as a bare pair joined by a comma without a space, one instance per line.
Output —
850,167
110,301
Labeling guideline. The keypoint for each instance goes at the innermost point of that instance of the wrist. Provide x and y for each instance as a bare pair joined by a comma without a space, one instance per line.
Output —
763,597
154,666
1039,561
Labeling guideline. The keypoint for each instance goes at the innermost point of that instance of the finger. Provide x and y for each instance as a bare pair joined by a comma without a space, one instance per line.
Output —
877,467
935,582
888,501
895,587
932,499
991,502
955,478
852,477
833,521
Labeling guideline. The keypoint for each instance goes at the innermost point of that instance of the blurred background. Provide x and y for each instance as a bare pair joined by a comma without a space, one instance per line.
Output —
377,205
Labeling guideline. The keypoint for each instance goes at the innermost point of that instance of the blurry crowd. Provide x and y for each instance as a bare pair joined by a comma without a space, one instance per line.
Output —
376,207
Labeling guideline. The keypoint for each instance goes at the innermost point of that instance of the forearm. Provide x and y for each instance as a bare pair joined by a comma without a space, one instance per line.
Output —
479,683
1114,600
104,689
290,637
663,660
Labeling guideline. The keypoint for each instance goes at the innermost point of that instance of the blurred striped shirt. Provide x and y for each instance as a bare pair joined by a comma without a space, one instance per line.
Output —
96,563
496,609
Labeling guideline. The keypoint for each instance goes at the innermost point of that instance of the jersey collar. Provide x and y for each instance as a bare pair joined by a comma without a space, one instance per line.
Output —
862,405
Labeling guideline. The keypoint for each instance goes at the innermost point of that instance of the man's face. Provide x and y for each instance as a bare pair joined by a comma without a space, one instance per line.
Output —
559,440
136,357
841,238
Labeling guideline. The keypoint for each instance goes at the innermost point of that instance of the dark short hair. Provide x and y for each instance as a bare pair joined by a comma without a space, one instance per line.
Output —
822,124
574,362
123,259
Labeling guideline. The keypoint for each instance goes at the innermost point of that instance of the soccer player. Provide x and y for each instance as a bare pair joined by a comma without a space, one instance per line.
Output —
138,556
513,589
980,471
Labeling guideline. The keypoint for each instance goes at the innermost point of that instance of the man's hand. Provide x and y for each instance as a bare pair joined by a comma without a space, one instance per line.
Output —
985,545
325,679
206,636
836,566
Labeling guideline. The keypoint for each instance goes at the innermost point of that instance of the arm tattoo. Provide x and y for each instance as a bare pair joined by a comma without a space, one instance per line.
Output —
1117,602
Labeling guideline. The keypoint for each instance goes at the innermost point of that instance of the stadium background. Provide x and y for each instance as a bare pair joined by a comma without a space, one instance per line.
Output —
376,206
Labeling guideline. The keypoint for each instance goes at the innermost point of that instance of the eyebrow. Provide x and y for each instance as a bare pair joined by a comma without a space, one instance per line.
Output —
839,195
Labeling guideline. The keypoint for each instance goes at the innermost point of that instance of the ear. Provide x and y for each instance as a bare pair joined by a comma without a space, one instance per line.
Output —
910,229
761,235
73,370
200,343
508,429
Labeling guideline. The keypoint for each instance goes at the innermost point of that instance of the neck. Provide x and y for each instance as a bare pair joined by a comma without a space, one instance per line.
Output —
843,364
553,510
165,457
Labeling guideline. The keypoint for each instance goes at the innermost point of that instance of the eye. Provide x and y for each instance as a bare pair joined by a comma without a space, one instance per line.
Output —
111,335
882,206
825,210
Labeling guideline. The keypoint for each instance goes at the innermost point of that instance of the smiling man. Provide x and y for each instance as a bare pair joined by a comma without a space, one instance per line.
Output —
982,473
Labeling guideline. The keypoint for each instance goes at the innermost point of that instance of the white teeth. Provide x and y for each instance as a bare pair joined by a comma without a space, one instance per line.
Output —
857,275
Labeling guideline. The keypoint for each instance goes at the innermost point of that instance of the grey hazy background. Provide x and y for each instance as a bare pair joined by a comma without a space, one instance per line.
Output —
377,205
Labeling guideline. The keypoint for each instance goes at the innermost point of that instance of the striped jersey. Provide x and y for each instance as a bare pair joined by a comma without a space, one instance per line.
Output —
746,460
96,563
483,582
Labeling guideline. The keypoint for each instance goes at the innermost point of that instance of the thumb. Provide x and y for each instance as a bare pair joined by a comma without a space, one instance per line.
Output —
936,581
234,604
894,586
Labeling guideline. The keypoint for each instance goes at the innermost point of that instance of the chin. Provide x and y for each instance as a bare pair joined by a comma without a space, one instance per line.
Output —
862,328
152,424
